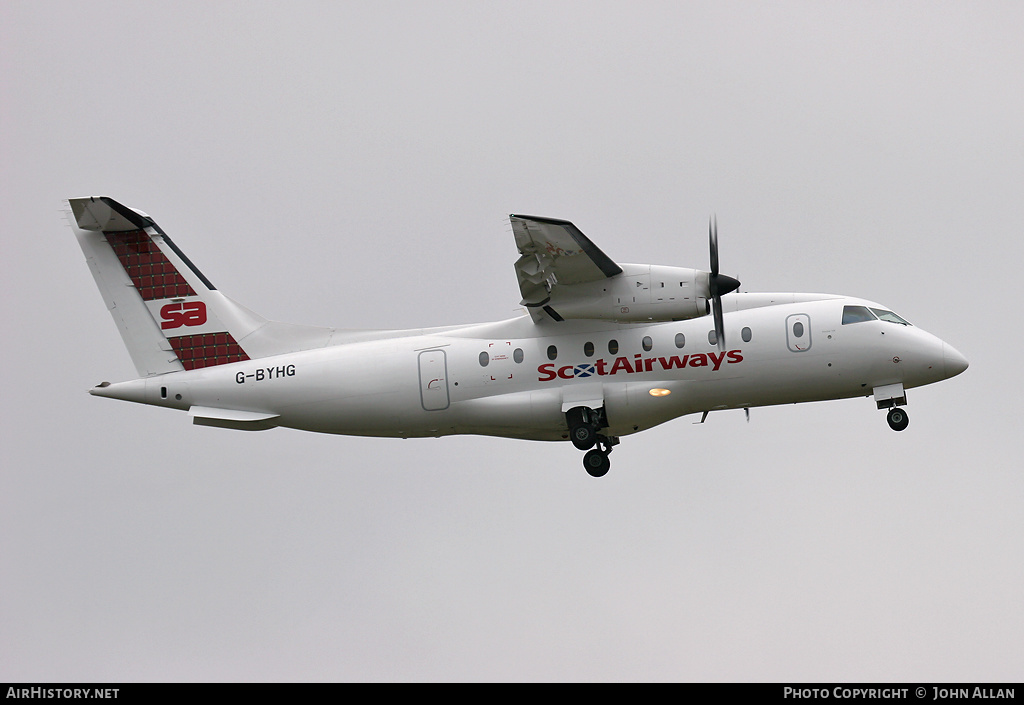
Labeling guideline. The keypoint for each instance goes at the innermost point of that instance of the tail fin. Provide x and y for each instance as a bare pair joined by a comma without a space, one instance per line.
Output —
170,316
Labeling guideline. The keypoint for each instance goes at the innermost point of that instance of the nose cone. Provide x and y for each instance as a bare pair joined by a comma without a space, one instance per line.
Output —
723,284
954,362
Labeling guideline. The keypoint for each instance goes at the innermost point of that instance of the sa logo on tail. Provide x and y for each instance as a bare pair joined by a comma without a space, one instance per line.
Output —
183,314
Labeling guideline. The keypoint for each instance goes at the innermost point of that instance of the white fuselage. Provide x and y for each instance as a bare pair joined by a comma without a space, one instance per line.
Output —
517,378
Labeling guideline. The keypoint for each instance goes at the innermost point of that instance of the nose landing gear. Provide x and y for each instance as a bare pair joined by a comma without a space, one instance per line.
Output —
584,432
892,397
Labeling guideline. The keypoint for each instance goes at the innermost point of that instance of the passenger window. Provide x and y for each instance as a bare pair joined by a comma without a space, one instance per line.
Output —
647,343
484,359
517,355
745,334
552,352
680,340
613,347
798,329
713,337
588,349
856,314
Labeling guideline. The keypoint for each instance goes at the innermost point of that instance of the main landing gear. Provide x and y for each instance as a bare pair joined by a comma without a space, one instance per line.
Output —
897,418
585,426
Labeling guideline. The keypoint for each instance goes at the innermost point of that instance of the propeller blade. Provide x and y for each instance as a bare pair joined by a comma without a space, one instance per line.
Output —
713,239
719,323
718,284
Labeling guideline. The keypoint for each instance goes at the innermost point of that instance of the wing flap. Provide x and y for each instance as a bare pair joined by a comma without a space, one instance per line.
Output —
554,252
560,246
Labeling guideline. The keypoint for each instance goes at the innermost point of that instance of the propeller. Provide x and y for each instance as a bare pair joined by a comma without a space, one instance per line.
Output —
718,284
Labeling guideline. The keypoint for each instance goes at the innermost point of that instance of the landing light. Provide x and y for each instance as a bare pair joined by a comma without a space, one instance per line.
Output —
658,392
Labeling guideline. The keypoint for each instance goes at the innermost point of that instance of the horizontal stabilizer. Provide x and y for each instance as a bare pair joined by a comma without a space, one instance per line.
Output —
103,214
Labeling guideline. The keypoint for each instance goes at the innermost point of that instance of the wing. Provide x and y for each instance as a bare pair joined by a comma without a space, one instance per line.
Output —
554,252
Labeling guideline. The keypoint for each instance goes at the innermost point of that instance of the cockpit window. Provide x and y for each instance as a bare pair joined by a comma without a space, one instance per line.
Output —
856,314
889,316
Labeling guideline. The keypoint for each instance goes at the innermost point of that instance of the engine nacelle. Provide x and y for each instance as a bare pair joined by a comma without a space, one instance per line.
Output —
642,292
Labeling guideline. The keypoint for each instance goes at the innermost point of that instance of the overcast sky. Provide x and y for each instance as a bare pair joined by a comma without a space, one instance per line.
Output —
353,164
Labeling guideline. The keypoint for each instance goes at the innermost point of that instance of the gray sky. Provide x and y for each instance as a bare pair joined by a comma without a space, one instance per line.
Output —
353,164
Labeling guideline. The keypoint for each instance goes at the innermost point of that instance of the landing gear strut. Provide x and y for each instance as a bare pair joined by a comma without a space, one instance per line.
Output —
585,425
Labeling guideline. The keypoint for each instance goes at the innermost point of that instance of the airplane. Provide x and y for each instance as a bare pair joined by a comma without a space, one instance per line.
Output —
603,350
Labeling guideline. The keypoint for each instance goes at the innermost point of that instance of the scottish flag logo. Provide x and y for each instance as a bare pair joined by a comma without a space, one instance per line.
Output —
584,371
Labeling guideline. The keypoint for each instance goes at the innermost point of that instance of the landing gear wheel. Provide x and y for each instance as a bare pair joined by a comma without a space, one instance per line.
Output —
584,424
583,436
596,462
897,418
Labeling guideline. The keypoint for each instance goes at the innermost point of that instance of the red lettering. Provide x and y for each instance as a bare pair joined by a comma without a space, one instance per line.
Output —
192,313
621,363
667,363
715,360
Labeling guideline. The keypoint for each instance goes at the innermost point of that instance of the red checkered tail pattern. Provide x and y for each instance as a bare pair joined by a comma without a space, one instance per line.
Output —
170,316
